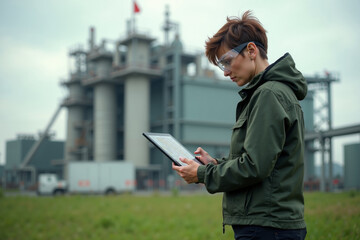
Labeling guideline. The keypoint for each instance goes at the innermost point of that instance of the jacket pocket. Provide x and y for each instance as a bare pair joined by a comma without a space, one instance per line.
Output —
236,203
240,122
247,203
238,136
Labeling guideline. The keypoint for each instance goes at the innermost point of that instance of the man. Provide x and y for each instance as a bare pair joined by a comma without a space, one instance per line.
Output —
262,178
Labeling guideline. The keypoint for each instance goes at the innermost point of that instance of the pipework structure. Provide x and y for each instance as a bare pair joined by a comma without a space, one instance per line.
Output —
322,121
319,128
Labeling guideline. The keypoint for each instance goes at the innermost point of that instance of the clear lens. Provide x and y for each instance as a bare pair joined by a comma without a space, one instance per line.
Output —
225,60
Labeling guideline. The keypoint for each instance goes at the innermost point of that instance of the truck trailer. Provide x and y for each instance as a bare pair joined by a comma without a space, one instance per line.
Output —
91,178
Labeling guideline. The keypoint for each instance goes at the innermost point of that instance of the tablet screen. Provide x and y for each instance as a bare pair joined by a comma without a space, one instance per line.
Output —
170,147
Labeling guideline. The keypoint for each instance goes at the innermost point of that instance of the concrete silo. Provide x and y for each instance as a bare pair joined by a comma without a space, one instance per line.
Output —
308,108
352,166
104,106
136,79
76,104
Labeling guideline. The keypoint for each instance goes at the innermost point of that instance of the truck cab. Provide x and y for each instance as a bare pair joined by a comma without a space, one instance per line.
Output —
49,184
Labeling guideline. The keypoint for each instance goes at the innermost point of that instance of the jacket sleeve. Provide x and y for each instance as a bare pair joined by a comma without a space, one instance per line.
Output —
220,160
264,141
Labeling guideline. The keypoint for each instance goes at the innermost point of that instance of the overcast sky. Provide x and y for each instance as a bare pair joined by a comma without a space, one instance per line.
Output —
35,36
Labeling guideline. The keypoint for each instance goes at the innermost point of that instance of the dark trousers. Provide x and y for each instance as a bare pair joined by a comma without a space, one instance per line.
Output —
267,233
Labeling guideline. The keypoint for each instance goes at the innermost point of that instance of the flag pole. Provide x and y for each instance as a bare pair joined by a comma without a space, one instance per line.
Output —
133,17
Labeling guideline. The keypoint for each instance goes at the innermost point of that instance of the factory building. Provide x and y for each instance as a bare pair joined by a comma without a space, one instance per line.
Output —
2,168
115,96
352,166
43,161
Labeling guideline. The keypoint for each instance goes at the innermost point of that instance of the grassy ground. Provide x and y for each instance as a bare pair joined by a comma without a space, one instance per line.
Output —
333,216
328,216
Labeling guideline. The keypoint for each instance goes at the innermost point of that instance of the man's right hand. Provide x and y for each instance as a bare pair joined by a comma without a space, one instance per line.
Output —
204,156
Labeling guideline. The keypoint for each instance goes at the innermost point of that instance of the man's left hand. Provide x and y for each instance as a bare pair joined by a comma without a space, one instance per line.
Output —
188,172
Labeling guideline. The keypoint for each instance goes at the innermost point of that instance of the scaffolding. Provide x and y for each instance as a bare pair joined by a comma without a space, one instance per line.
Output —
323,127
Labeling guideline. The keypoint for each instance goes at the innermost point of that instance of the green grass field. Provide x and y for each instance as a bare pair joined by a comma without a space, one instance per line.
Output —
328,216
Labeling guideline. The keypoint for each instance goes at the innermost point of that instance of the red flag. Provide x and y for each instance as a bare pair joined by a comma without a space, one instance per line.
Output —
136,8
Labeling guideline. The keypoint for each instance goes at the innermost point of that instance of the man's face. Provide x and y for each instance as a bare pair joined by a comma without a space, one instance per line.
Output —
240,69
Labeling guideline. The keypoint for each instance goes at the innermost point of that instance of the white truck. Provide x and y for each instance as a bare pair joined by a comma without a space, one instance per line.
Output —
50,184
91,178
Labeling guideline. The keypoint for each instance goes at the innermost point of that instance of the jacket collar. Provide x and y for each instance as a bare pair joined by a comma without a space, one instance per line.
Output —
258,80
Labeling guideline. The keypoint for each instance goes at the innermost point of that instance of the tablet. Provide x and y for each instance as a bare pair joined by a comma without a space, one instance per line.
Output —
170,147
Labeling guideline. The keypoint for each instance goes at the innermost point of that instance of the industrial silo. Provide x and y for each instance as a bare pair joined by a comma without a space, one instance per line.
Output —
352,166
308,108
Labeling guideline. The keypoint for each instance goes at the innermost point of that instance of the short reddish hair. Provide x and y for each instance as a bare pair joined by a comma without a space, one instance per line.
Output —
235,32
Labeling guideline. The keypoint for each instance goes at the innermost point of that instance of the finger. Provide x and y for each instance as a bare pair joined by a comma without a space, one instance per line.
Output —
174,167
198,150
187,161
184,160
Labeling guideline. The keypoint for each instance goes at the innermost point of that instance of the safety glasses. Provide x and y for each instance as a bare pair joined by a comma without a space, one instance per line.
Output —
225,60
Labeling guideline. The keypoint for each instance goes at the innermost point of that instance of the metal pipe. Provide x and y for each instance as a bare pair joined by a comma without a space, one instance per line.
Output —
92,39
330,139
36,145
323,179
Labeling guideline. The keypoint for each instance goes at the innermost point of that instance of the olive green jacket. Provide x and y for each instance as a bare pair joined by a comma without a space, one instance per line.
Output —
262,178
